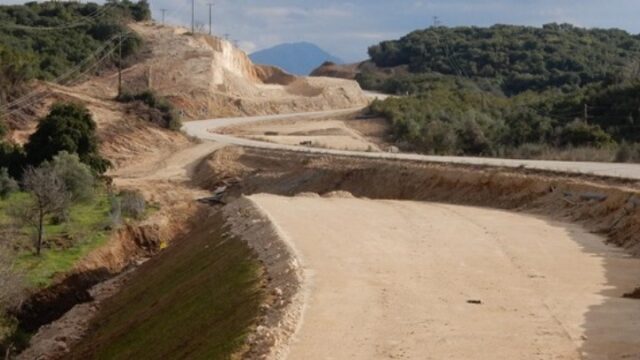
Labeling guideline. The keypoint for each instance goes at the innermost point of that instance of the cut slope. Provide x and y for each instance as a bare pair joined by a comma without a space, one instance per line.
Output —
207,77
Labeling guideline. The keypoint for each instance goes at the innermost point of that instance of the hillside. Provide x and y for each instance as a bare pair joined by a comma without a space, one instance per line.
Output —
517,58
296,58
47,40
555,92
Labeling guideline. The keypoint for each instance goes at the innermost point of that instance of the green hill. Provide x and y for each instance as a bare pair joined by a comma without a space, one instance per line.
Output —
517,58
559,91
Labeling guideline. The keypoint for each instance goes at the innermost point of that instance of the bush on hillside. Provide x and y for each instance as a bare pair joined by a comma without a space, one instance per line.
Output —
77,177
132,204
165,115
68,127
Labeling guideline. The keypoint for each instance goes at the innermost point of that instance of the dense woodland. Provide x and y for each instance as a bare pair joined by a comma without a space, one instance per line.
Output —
511,90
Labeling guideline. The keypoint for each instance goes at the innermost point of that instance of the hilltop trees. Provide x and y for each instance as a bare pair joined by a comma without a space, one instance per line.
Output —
517,58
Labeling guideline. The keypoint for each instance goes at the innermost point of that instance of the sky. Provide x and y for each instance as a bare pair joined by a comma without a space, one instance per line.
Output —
347,28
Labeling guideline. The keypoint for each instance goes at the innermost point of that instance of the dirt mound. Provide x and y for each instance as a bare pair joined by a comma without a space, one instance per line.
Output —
339,194
633,295
329,69
613,210
274,75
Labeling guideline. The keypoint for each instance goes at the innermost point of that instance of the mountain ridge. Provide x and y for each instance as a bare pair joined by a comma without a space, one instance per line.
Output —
298,58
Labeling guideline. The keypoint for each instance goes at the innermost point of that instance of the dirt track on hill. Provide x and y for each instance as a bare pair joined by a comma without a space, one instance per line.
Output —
401,280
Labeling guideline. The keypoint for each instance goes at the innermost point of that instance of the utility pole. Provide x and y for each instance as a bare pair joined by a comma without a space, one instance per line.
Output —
210,6
163,12
436,21
120,67
193,17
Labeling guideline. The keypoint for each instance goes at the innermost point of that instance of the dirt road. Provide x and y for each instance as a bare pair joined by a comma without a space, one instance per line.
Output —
410,280
206,130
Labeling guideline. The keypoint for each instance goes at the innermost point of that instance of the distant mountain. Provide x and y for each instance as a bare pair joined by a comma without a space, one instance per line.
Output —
297,58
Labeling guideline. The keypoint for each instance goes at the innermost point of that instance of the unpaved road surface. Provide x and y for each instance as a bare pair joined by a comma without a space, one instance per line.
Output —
393,280
206,130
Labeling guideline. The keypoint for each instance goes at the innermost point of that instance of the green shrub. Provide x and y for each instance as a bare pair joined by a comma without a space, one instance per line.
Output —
132,204
77,177
166,116
579,133
68,127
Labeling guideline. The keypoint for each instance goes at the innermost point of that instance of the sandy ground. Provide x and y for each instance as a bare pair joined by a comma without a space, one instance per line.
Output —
394,280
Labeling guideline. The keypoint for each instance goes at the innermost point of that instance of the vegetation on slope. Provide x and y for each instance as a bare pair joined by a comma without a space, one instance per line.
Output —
198,300
512,91
57,210
517,58
159,110
47,40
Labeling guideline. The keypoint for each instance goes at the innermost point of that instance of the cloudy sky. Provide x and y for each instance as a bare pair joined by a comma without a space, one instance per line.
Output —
347,28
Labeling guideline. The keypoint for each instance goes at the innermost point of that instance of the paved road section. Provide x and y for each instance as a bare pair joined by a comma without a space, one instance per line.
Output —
412,280
206,130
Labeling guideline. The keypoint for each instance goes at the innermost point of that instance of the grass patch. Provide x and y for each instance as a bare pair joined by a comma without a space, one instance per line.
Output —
67,243
197,300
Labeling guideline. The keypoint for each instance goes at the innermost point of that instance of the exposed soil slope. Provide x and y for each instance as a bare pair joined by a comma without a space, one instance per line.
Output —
602,205
207,77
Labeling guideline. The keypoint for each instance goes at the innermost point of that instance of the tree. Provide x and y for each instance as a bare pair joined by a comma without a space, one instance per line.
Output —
68,127
48,197
77,177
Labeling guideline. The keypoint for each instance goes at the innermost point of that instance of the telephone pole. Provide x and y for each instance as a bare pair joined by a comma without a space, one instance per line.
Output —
210,6
163,12
436,21
193,17
120,67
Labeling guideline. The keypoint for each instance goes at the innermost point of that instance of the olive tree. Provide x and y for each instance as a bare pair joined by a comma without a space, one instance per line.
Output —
48,197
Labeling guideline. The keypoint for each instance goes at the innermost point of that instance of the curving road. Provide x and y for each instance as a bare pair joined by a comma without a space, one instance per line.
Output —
415,280
206,130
